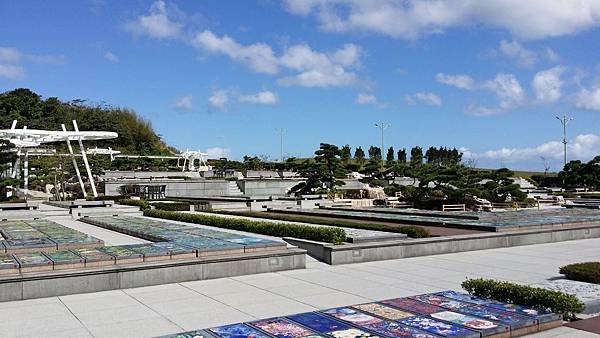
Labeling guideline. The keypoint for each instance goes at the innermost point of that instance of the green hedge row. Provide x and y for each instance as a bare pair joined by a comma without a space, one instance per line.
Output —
321,234
175,206
555,301
412,231
588,272
143,204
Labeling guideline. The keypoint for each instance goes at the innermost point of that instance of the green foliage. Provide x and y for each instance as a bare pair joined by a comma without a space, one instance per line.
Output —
375,153
577,174
323,173
7,158
402,155
416,157
359,155
588,272
443,156
410,231
321,234
174,206
136,135
555,301
346,153
143,204
389,157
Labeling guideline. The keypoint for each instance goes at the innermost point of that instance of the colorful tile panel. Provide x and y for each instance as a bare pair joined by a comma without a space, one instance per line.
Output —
64,257
541,315
7,262
440,301
237,331
383,311
486,327
394,329
32,259
463,297
93,255
190,334
514,320
283,328
120,252
413,306
352,316
438,327
319,323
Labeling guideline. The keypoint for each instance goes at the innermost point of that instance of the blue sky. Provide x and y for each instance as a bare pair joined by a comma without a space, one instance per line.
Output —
484,76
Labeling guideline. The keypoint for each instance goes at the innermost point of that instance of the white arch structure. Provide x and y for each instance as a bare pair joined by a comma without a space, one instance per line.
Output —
26,139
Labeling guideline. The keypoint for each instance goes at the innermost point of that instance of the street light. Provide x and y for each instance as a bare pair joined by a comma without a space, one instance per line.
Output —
281,131
382,126
564,121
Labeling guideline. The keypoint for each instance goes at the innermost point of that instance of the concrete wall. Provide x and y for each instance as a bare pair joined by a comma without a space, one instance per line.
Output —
176,188
266,187
149,174
65,282
356,253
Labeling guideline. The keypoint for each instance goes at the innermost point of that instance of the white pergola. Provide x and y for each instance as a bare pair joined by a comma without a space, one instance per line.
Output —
26,140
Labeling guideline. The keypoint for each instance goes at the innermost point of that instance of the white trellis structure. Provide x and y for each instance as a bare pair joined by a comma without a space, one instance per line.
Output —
190,158
27,140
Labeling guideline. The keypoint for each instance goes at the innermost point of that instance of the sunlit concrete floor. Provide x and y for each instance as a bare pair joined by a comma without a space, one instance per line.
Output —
158,310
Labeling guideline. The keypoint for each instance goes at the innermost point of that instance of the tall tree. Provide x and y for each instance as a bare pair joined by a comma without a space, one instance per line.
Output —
359,155
402,155
416,157
375,153
346,153
7,158
324,172
389,157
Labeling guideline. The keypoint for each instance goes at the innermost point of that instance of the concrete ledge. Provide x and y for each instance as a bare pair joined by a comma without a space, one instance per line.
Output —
65,282
375,251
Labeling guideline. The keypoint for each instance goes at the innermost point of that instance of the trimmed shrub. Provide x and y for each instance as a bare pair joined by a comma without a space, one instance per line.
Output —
412,231
175,206
143,204
555,301
321,234
588,272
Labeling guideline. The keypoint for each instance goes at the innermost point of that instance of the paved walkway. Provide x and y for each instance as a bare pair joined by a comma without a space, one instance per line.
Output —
170,308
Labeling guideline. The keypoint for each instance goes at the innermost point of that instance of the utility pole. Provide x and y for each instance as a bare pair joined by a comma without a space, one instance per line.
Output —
382,126
564,121
281,131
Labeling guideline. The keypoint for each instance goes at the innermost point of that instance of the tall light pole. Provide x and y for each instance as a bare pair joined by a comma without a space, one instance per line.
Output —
382,126
281,131
564,121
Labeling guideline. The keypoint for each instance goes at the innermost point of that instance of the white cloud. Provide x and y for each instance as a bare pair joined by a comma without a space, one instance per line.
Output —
219,100
411,19
157,24
319,69
588,99
508,90
516,51
10,55
313,69
425,98
218,152
364,98
584,147
12,72
551,55
547,84
111,57
259,57
460,80
184,103
264,97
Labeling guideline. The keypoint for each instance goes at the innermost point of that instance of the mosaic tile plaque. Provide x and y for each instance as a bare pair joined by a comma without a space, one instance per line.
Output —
486,327
122,255
438,327
65,259
283,328
150,252
95,257
413,306
394,329
352,316
463,297
8,265
237,331
541,315
383,311
514,320
30,245
440,301
33,261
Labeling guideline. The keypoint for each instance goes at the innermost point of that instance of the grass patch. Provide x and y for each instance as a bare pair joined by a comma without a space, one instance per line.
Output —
320,234
588,272
555,301
412,231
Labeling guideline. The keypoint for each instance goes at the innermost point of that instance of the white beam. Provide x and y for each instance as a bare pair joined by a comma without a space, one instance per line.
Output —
85,160
75,163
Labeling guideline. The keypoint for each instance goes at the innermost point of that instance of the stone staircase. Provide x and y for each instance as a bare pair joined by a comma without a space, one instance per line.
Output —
233,189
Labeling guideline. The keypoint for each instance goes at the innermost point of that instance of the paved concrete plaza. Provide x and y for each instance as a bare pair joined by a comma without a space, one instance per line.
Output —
170,308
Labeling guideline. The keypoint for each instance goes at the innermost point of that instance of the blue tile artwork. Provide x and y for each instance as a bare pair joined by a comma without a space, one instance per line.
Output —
438,327
326,325
440,301
514,320
237,331
463,297
369,321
